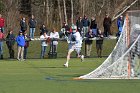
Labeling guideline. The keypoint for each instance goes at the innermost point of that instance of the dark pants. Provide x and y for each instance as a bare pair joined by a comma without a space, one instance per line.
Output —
107,31
54,48
11,51
23,31
25,52
99,50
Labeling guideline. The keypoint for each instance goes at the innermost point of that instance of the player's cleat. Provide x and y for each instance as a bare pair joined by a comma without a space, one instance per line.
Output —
23,60
65,65
18,59
82,58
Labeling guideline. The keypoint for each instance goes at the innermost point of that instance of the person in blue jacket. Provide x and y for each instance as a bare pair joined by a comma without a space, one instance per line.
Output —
120,23
20,44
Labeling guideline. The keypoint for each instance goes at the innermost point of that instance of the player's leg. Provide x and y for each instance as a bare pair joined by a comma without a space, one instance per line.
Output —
68,57
78,51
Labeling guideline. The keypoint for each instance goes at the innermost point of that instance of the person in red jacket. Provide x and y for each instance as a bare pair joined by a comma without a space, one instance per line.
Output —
2,23
1,44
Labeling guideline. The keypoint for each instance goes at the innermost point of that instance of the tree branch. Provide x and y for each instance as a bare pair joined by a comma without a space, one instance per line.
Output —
116,16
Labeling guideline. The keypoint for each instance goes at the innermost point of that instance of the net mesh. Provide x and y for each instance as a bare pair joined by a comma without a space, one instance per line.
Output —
124,61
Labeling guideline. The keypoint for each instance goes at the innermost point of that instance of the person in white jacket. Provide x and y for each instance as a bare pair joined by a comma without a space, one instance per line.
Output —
75,44
54,36
44,43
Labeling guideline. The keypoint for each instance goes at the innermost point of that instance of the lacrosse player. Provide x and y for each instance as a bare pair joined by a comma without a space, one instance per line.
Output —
74,44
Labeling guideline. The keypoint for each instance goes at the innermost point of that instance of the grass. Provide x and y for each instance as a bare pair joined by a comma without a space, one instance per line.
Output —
49,76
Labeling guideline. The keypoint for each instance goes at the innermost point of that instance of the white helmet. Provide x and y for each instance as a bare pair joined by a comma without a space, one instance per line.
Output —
74,28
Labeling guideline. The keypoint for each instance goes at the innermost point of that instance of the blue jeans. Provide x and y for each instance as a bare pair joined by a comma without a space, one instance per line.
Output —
32,31
85,30
1,48
43,51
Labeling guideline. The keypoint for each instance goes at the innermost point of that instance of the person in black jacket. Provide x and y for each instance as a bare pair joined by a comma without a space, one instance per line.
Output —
93,26
79,25
43,29
32,26
65,30
10,41
23,25
88,42
107,24
99,43
27,40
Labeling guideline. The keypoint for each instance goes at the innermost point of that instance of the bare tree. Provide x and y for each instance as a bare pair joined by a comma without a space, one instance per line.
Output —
83,7
101,7
48,12
53,12
72,11
60,16
65,13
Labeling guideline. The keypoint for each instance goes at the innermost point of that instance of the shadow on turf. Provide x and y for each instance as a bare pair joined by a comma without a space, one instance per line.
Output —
46,67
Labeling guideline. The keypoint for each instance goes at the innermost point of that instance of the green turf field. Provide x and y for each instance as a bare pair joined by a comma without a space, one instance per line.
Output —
49,76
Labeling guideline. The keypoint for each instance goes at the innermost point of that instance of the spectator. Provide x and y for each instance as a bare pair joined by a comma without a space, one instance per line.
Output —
27,40
93,26
107,25
120,23
54,36
10,41
65,30
20,43
79,25
32,26
86,25
88,42
99,43
1,43
23,25
43,29
2,23
44,37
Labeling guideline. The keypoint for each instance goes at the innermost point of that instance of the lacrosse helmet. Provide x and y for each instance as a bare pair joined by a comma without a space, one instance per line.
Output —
74,28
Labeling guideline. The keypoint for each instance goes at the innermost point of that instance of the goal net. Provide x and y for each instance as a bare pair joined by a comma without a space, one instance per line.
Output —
124,61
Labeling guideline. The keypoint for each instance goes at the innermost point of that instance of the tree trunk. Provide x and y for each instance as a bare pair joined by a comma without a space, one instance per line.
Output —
83,7
48,11
59,12
45,9
72,11
65,13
